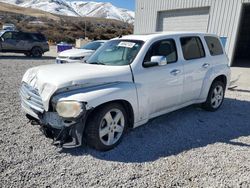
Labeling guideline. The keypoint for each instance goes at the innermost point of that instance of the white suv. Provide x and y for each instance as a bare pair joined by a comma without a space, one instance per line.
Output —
128,81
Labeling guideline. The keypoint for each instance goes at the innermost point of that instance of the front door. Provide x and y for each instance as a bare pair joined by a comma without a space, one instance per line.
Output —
9,41
160,87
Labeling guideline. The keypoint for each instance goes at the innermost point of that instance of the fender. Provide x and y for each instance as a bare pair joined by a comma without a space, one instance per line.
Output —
213,73
96,96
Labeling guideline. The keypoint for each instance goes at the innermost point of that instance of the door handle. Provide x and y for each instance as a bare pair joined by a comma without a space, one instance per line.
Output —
175,72
206,65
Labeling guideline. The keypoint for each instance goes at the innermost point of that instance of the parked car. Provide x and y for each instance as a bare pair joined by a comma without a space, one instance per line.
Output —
126,82
31,44
9,27
79,55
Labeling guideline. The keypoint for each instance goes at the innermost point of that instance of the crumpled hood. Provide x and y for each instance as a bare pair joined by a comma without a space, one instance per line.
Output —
75,53
48,79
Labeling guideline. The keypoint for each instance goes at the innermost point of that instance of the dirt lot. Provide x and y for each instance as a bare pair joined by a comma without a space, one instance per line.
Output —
186,148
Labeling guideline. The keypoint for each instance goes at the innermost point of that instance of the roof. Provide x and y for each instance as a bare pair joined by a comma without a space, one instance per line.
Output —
146,37
99,41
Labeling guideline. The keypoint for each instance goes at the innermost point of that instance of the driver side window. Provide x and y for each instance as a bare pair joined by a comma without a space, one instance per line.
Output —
166,48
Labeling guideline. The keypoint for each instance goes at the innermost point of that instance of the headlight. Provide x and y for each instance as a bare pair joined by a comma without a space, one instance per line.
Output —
70,109
76,58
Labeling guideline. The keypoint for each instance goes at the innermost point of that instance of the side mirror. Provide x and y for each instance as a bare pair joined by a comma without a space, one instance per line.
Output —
156,61
160,60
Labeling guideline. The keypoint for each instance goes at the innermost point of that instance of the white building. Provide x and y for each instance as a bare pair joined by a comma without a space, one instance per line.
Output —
230,19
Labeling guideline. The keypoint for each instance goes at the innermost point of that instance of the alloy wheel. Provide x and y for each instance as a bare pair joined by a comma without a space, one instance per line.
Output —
111,127
217,96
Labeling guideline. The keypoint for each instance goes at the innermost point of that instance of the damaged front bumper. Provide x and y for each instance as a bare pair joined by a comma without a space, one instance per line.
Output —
66,133
68,136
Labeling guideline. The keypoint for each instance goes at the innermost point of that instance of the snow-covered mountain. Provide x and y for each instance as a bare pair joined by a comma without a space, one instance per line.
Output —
77,8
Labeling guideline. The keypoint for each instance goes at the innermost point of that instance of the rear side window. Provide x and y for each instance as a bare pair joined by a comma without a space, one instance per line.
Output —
192,48
214,46
38,37
23,36
166,48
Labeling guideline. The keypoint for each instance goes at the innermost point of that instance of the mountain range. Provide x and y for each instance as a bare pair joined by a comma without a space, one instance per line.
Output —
77,8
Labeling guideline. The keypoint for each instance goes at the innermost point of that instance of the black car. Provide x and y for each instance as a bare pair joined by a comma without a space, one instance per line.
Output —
31,44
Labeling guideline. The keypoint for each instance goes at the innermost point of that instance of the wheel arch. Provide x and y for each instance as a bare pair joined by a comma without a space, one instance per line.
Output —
208,83
126,105
221,78
36,46
208,105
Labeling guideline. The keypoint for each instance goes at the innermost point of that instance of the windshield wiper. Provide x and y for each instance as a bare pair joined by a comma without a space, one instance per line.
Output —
97,63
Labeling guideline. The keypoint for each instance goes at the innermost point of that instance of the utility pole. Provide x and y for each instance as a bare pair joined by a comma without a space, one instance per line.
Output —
85,28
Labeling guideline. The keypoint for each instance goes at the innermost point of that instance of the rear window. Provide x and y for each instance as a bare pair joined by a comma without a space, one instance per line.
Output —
192,48
214,45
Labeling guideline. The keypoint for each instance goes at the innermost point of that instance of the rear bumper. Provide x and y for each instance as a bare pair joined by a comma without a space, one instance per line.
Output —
45,48
229,76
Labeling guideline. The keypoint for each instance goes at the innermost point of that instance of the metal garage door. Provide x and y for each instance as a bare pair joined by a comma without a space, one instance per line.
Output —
195,19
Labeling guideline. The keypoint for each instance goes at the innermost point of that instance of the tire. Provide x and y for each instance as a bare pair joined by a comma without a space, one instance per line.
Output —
215,97
102,131
36,52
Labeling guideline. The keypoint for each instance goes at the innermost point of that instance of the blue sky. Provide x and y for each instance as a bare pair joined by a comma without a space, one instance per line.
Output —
128,4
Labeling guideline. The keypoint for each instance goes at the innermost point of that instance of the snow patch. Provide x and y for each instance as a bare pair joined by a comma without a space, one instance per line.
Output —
77,8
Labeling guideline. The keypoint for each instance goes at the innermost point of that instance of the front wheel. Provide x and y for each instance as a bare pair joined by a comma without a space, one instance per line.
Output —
215,97
106,127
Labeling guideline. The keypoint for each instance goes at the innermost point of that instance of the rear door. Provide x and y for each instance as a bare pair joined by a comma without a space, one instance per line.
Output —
24,41
196,66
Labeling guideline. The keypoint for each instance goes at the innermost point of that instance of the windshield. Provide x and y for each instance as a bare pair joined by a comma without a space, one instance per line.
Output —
92,45
116,52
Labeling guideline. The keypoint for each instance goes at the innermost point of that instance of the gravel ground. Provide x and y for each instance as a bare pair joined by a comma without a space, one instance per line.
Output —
186,148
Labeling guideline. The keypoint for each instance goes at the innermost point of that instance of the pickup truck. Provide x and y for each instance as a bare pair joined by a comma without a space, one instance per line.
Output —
125,83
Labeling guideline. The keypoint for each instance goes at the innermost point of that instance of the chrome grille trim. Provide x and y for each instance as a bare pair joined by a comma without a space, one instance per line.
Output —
31,98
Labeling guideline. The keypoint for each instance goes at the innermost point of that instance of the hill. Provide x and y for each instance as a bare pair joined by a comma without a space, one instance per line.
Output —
62,28
77,8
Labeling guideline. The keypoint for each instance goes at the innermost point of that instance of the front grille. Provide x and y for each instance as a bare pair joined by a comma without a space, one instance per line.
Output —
62,57
31,98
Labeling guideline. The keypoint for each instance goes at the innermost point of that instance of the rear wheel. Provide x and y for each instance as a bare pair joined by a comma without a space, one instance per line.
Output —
106,127
37,52
215,97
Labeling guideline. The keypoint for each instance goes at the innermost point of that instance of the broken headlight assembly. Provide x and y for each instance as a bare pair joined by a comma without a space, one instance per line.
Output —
70,109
